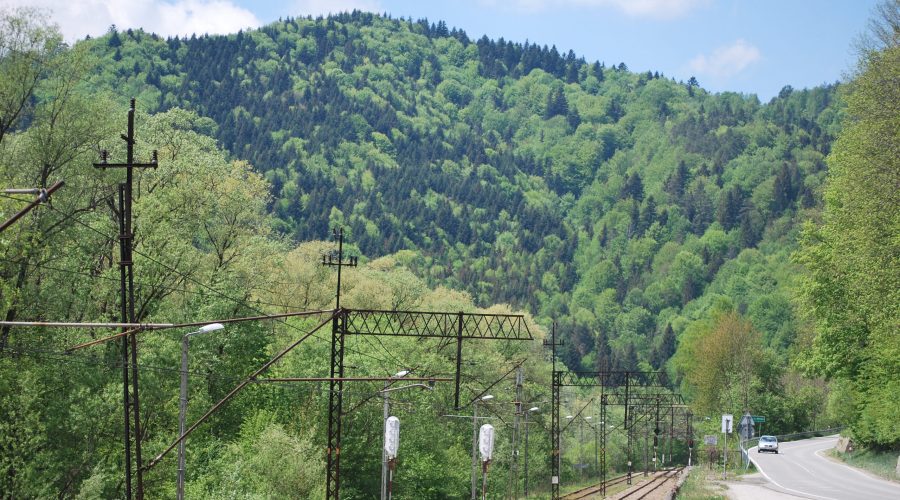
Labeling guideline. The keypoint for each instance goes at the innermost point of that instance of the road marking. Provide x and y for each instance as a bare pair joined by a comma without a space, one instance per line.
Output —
782,487
854,469
798,465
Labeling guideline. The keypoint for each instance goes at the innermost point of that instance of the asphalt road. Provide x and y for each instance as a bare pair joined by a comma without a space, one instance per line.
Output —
801,469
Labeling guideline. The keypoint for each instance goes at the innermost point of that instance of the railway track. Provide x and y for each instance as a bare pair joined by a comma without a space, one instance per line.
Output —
643,490
592,490
637,493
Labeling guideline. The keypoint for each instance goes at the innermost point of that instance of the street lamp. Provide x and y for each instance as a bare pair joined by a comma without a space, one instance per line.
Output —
561,441
182,413
486,397
594,428
530,410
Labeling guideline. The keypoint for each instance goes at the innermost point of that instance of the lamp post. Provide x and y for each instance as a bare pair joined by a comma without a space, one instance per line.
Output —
486,397
594,428
561,440
182,413
581,449
530,410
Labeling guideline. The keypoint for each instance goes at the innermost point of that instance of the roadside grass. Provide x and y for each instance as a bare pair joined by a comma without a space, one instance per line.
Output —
880,463
700,485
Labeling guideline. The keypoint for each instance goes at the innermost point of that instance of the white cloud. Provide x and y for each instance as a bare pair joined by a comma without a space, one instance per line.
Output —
77,18
325,7
726,61
656,9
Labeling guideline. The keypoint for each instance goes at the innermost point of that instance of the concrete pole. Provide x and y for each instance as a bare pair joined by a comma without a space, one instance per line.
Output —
384,465
182,413
474,441
525,478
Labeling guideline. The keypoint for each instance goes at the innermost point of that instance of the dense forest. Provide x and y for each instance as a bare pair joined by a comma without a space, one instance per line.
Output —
615,202
659,225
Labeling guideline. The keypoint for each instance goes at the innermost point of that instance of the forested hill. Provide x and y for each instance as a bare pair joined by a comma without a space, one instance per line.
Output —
622,204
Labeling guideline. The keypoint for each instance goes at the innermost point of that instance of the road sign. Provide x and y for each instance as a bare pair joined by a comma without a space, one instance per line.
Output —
746,428
711,440
758,419
727,423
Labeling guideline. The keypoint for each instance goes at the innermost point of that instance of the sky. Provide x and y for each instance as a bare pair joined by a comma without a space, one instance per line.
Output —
748,46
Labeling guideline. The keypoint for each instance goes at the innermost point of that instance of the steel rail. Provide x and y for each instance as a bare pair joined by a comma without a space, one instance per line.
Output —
590,490
656,482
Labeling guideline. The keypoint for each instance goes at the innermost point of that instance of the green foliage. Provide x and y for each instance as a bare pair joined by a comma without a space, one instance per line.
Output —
852,289
266,461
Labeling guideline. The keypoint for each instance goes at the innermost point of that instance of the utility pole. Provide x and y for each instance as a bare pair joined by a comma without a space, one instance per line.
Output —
628,429
671,430
336,384
131,402
603,426
486,397
182,413
387,407
646,450
656,437
593,426
556,383
533,409
581,448
514,470
596,449
690,437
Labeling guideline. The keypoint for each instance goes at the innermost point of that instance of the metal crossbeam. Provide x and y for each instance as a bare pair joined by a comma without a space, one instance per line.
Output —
667,400
612,379
437,325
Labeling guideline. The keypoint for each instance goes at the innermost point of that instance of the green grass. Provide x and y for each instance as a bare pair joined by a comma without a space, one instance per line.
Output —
880,463
699,485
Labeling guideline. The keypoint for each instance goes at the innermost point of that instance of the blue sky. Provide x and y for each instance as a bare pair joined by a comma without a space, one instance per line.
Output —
749,46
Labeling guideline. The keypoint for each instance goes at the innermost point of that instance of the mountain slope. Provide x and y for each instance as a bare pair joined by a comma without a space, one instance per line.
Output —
612,201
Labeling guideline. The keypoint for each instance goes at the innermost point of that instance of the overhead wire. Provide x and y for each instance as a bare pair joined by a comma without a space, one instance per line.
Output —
116,365
239,301
222,294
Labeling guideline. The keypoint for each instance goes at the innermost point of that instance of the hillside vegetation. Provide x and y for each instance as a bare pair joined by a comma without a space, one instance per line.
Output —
614,202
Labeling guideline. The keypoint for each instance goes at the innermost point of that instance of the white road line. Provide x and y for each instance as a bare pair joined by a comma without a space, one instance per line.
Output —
854,469
786,459
760,469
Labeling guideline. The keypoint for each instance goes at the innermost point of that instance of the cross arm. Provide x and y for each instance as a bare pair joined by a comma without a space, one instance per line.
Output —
437,324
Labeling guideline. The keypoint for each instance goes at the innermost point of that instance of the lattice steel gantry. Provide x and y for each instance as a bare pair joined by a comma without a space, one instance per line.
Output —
458,326
641,393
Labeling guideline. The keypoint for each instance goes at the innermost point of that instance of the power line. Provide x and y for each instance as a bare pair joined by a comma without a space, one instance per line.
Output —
114,365
221,294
